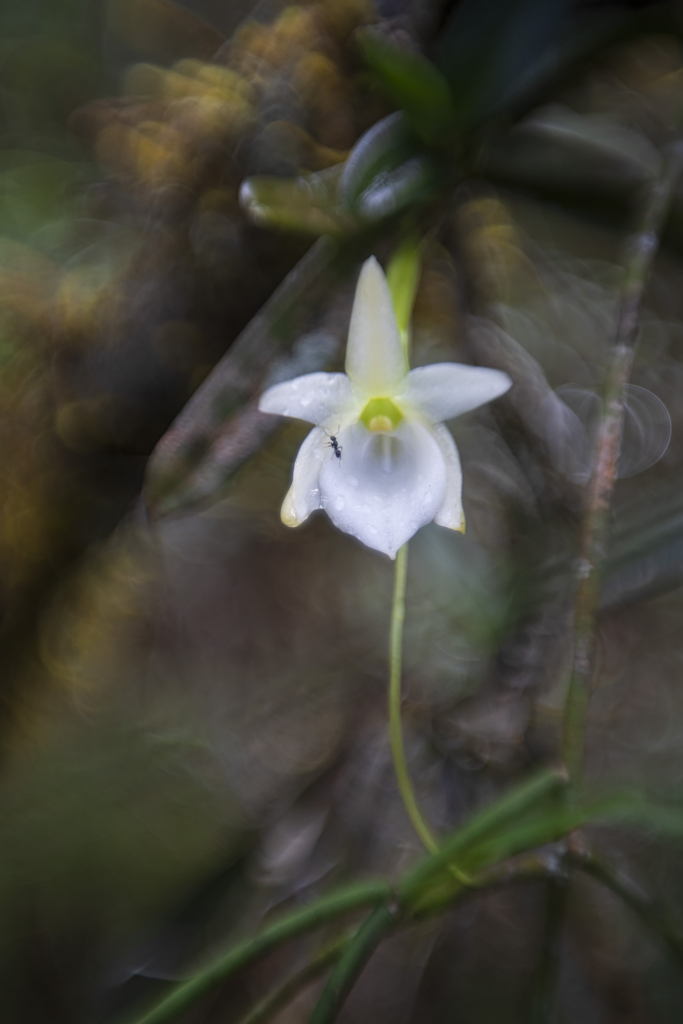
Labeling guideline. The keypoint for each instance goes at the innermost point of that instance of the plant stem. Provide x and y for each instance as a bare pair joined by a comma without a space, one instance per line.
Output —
594,529
347,971
545,985
398,613
246,953
275,1001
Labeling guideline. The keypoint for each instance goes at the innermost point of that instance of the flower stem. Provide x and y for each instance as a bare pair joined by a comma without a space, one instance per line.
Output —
594,530
405,787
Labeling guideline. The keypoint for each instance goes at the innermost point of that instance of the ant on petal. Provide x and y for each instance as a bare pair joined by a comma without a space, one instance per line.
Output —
334,444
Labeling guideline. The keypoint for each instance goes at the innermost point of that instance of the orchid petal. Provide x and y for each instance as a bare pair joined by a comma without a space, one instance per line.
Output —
375,358
450,513
315,397
303,497
386,485
444,390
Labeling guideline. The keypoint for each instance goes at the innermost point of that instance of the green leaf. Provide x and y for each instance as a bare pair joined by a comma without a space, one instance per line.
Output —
298,922
354,959
410,184
415,85
588,161
537,824
307,204
379,151
491,49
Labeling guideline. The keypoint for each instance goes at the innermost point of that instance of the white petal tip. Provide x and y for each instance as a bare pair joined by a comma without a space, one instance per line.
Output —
451,519
500,384
375,357
264,402
289,518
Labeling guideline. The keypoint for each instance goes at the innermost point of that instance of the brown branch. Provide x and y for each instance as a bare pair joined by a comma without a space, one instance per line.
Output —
632,895
594,529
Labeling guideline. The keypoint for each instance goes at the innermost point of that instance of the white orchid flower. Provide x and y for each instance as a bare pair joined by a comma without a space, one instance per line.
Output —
395,466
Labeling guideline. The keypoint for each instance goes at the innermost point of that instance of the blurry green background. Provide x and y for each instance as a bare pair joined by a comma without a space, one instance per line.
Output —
193,711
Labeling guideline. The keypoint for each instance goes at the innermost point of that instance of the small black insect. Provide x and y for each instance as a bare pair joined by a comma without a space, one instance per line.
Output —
334,445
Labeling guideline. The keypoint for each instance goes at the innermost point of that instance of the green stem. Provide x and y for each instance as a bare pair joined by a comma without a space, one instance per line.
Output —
594,530
246,953
266,1009
405,787
347,971
186,994
546,981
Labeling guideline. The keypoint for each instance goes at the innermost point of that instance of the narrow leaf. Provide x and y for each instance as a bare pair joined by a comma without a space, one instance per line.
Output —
415,85
307,204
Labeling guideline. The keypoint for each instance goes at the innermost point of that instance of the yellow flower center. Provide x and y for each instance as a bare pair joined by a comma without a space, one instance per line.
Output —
381,414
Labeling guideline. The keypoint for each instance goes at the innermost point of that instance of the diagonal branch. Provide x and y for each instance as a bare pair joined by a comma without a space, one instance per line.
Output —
633,896
594,530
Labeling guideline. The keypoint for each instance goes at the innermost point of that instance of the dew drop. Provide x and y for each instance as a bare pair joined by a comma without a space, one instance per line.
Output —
339,503
305,400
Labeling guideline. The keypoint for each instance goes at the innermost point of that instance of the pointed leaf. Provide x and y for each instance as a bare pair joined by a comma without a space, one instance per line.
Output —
307,204
491,50
415,85
377,153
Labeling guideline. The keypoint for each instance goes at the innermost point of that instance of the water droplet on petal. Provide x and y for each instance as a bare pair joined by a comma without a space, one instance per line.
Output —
305,400
339,503
353,480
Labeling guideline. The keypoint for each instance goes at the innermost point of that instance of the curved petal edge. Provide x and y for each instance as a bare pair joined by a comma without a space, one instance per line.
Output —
450,514
303,497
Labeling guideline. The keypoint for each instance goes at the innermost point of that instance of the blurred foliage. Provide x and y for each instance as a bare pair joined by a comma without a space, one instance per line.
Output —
193,713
